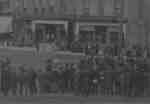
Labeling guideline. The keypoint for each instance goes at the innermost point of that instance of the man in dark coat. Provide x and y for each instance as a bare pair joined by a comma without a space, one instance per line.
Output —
21,78
94,81
32,81
76,82
5,79
13,81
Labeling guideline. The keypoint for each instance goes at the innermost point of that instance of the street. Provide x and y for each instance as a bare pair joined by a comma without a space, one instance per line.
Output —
32,58
86,47
69,99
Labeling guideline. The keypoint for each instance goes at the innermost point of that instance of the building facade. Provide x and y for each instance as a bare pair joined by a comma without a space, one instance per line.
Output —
138,22
5,22
103,17
136,11
67,7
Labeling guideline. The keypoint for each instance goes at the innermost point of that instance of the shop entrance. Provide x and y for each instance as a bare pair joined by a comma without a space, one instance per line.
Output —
51,32
94,34
98,35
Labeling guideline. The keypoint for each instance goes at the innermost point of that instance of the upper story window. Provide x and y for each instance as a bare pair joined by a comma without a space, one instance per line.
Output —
86,7
63,6
118,7
25,9
86,11
43,10
51,9
52,5
4,5
36,10
40,2
117,11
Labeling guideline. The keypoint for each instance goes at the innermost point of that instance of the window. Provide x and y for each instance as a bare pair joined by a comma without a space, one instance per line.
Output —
63,6
29,32
52,5
36,10
43,10
114,37
51,9
101,36
117,7
40,1
4,5
86,11
8,3
25,9
117,11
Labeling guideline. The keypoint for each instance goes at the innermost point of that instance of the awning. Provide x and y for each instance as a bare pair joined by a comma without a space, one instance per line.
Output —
108,19
49,22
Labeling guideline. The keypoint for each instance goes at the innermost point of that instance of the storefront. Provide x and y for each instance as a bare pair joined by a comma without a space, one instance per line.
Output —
6,31
50,31
101,31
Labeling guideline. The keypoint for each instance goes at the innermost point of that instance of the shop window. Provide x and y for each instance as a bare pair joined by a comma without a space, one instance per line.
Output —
85,36
100,37
101,34
114,37
29,33
103,37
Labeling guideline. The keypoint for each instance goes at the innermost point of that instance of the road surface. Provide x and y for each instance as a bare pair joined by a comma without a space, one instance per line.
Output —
69,99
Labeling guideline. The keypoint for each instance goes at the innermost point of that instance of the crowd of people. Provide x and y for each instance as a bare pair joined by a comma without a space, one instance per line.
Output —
106,75
16,80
